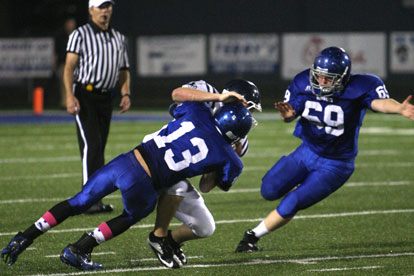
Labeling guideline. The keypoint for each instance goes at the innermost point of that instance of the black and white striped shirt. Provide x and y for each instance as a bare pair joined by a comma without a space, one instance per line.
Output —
102,54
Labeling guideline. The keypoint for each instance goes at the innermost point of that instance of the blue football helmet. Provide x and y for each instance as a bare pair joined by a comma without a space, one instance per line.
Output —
234,121
334,64
248,90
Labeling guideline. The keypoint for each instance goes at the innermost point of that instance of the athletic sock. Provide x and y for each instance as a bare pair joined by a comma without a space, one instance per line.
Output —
102,233
86,243
32,232
171,240
260,230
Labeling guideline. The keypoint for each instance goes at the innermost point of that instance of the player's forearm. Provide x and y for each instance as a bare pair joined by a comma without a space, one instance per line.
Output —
207,182
289,119
386,106
185,94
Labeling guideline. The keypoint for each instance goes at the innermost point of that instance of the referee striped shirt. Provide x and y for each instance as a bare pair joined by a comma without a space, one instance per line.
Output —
102,54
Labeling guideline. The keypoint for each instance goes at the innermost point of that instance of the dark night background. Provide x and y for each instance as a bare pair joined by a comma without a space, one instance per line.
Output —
20,18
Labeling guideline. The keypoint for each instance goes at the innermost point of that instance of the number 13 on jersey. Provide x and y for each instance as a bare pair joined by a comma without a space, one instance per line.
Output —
174,136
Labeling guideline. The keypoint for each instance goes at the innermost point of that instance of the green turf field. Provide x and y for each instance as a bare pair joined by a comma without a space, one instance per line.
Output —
365,228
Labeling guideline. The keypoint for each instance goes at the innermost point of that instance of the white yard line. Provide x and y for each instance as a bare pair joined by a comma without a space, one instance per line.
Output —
248,168
390,152
358,165
45,176
276,153
387,131
155,259
39,159
95,254
316,216
381,183
252,262
232,191
344,268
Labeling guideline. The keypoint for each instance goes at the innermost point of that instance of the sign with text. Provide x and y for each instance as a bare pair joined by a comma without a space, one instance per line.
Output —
367,51
171,55
402,52
26,57
244,53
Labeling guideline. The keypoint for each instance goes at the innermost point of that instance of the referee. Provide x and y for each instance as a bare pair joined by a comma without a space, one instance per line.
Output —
96,60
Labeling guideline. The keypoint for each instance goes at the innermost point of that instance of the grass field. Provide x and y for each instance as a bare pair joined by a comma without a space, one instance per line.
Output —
365,228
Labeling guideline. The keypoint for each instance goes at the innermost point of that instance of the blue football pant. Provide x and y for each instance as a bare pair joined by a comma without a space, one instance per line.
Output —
123,173
316,176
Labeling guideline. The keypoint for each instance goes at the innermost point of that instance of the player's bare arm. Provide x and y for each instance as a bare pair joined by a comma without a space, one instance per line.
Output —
405,108
238,148
286,111
186,94
232,96
207,182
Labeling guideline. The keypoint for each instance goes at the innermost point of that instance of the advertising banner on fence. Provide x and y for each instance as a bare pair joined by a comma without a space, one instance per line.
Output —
402,52
26,57
173,55
367,51
244,53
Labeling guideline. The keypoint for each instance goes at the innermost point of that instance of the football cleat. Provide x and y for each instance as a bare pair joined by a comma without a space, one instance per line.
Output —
15,247
163,250
178,254
74,257
248,243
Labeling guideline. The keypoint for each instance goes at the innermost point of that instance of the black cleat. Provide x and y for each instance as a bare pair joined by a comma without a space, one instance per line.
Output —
162,250
248,243
15,247
178,254
100,207
74,257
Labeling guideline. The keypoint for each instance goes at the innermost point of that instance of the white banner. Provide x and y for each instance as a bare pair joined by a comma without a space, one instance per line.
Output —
367,51
171,55
26,57
250,53
402,52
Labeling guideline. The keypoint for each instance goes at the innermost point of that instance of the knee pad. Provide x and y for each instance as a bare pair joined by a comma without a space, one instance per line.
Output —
269,189
205,229
143,212
79,204
273,182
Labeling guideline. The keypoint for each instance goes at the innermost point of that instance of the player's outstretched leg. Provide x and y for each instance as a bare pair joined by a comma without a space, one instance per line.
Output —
163,250
248,243
79,258
15,247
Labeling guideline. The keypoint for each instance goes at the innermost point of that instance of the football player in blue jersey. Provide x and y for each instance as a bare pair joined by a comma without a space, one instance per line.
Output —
331,103
194,143
182,200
